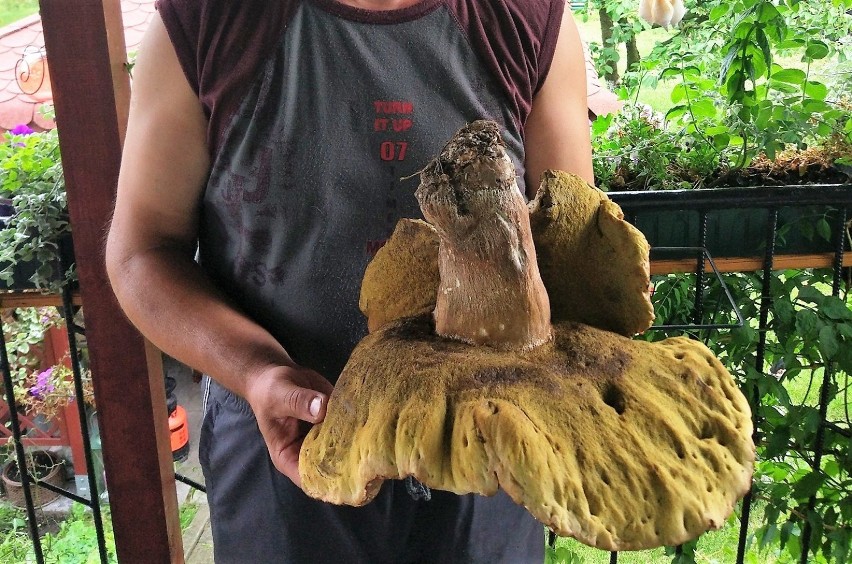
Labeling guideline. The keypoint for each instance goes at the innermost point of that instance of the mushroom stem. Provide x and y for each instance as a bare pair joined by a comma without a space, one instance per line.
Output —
491,291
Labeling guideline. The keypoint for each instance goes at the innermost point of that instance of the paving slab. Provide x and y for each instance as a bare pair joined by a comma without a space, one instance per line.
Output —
197,538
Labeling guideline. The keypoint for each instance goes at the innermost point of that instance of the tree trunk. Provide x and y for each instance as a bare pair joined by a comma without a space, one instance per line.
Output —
606,39
633,57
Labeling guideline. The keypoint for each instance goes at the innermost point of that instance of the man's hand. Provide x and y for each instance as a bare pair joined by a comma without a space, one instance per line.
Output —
286,401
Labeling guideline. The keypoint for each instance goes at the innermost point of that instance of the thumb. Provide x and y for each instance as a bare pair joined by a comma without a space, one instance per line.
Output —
304,403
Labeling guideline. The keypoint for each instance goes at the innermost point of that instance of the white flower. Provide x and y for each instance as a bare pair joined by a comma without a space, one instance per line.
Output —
662,12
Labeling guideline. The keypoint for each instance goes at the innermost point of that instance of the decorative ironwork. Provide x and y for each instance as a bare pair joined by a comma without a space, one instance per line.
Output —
31,72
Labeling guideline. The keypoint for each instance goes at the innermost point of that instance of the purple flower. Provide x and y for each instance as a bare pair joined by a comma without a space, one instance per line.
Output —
21,129
43,385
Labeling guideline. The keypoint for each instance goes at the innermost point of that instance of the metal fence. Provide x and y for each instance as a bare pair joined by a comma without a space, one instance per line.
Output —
703,208
92,489
28,480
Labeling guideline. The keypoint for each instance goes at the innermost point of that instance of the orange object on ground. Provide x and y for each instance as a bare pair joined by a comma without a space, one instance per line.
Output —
179,433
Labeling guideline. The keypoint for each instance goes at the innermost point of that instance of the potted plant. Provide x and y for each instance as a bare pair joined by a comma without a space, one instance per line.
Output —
43,385
35,243
757,99
24,331
41,465
48,391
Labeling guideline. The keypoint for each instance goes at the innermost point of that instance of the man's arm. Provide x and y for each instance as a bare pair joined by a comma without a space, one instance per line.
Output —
557,129
150,258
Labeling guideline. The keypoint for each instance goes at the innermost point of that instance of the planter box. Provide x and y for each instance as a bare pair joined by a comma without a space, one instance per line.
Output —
23,271
739,232
737,218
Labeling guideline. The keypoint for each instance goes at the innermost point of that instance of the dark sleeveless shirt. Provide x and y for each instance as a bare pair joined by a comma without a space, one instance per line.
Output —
319,113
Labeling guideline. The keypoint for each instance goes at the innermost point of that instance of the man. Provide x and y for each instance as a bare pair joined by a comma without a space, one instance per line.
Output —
278,136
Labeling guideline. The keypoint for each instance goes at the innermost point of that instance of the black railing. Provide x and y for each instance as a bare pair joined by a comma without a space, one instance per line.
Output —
833,201
27,481
93,500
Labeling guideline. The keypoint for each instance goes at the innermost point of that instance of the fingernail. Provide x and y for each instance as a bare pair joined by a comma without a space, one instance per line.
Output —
315,406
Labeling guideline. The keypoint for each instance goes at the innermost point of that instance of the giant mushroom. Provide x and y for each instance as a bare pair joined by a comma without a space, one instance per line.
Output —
465,384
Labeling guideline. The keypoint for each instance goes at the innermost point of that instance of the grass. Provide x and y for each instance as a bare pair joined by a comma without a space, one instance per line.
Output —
804,389
14,10
659,98
75,541
717,547
187,513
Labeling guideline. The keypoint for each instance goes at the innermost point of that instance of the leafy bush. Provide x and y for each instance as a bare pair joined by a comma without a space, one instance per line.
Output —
738,100
32,179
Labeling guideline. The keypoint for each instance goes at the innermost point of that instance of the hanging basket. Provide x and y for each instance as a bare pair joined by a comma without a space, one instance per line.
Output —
46,467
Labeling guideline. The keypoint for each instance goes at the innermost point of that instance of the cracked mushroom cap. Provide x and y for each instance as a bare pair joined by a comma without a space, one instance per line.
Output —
621,444
594,264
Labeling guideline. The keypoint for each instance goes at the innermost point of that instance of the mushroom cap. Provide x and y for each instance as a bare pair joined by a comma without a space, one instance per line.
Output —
621,444
595,265
402,279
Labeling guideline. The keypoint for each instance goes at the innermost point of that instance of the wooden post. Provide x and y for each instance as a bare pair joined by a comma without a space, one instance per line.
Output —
84,40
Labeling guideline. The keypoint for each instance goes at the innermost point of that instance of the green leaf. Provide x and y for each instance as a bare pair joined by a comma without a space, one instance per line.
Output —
675,112
823,229
721,141
791,76
835,308
733,51
816,90
808,486
816,106
763,42
828,343
806,322
784,312
602,124
816,49
744,335
811,294
832,468
670,72
767,12
777,442
720,11
703,108
678,93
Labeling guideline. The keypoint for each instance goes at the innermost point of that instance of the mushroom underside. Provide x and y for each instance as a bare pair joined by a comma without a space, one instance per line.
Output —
621,444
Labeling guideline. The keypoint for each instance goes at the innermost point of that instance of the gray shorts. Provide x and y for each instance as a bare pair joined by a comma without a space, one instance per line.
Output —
258,516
